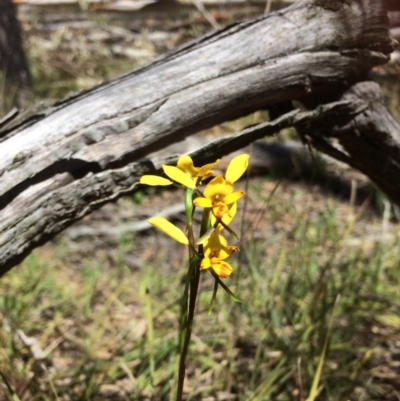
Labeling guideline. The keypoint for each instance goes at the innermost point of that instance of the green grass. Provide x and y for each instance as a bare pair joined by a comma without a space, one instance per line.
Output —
107,331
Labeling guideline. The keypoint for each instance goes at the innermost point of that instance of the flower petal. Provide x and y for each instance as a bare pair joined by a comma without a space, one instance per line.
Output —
216,246
206,170
216,241
220,209
185,163
228,217
205,264
179,176
170,229
227,251
218,187
202,202
154,180
223,269
206,175
233,197
212,245
237,167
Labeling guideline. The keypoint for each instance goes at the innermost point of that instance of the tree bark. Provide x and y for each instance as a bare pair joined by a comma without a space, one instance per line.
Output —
60,163
363,134
13,63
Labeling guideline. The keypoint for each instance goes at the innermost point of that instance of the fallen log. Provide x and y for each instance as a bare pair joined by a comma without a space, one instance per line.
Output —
60,163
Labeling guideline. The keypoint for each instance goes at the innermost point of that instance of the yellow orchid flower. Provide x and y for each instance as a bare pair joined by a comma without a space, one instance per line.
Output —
170,229
219,196
184,173
216,249
218,193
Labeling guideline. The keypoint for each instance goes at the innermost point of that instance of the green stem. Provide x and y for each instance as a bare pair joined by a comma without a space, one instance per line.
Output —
190,293
192,283
185,324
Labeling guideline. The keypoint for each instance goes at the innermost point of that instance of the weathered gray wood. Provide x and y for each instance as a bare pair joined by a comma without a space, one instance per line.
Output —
364,135
59,164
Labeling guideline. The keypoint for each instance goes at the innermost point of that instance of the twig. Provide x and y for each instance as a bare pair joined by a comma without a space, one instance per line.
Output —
206,14
268,5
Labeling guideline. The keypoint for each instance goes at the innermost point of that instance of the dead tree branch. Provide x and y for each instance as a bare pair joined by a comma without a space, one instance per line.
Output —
60,163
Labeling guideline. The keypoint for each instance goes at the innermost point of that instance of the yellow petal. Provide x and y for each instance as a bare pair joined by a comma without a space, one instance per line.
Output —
179,176
237,167
206,175
231,213
217,246
170,229
228,217
233,197
185,163
202,202
205,264
205,237
223,269
216,241
227,251
220,209
212,246
154,180
206,170
218,187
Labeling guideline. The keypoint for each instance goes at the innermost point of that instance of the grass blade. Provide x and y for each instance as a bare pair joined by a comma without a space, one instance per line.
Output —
317,377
